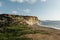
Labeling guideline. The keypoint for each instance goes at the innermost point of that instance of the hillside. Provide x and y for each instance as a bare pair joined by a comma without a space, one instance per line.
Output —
7,19
11,28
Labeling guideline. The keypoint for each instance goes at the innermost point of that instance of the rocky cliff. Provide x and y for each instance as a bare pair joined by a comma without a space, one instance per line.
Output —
25,32
6,19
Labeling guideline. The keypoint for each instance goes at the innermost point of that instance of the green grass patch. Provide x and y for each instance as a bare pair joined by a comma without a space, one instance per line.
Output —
11,32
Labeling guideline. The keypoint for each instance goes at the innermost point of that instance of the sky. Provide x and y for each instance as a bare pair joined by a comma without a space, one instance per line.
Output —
43,9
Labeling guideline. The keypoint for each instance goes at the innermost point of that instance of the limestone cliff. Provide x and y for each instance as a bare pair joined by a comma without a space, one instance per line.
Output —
17,19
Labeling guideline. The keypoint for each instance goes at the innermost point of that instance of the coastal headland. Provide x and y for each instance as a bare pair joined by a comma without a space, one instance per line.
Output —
18,27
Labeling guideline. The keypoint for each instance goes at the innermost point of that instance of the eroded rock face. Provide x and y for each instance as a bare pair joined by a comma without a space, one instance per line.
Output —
6,19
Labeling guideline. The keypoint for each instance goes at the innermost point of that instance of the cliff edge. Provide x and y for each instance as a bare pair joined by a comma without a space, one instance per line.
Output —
6,19
15,27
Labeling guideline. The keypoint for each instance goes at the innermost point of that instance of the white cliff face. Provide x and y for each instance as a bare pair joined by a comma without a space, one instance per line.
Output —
32,21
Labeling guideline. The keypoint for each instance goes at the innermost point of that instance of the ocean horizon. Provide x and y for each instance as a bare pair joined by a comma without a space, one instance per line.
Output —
51,24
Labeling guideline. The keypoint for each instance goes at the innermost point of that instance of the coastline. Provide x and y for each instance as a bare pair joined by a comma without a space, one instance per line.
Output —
51,27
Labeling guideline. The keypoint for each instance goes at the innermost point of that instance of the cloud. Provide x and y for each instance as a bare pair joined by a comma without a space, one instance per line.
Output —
13,0
18,8
31,1
1,4
14,12
43,0
22,1
27,11
28,1
1,12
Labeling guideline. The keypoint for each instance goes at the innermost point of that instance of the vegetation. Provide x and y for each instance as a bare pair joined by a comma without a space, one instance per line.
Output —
13,32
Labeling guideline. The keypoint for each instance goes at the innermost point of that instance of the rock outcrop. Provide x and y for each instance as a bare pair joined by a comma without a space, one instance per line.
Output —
6,19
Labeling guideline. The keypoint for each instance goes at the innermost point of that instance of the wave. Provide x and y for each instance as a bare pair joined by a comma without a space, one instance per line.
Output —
51,27
51,24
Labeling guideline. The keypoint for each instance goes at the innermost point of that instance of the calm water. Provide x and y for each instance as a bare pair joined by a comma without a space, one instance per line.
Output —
52,24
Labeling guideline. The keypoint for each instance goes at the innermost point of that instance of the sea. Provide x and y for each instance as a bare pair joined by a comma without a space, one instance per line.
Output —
51,24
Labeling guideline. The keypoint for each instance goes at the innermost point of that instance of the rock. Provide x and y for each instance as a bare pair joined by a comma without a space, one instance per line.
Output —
7,19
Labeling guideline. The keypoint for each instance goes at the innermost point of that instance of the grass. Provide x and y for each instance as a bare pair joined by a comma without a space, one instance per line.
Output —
13,31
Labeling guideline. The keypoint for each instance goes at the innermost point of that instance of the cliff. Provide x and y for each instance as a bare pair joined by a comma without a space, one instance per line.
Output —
6,19
12,27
